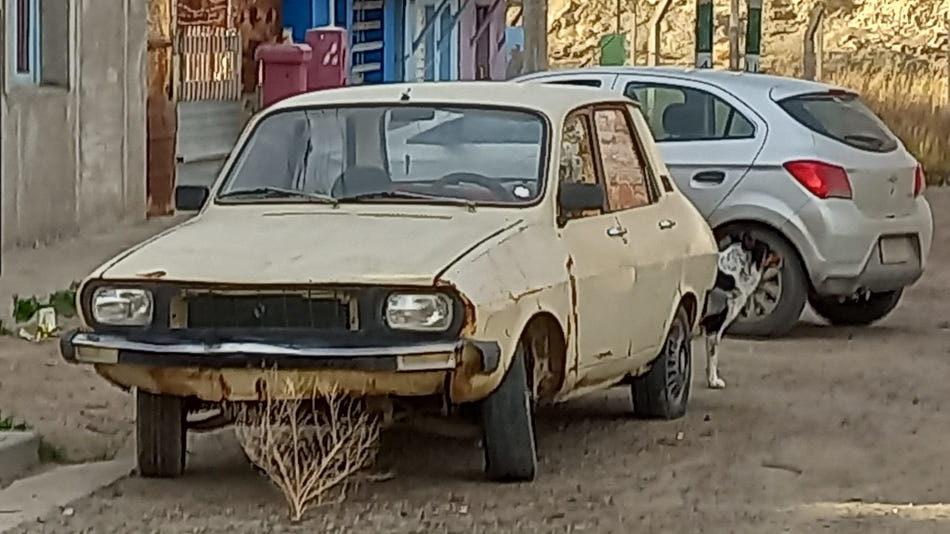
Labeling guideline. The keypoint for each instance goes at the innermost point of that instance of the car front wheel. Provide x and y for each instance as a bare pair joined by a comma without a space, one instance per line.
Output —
777,304
508,426
160,430
856,311
663,392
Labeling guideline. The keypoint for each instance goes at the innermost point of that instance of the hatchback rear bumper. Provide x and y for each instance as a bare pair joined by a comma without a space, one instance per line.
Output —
845,251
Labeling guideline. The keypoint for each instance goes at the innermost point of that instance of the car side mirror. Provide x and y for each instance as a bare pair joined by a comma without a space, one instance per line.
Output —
190,197
575,197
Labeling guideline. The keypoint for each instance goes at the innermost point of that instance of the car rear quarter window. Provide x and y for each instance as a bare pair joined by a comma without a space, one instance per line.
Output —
677,113
842,117
583,82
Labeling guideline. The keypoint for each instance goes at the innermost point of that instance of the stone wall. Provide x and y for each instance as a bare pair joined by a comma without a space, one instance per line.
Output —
902,29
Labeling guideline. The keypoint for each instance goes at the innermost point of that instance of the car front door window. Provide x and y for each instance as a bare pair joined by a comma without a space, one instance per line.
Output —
687,114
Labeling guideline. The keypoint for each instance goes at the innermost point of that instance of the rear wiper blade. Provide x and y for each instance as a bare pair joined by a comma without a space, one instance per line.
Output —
409,195
866,139
278,192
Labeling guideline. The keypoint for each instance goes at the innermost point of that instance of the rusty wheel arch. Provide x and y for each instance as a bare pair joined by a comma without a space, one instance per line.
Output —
691,304
546,351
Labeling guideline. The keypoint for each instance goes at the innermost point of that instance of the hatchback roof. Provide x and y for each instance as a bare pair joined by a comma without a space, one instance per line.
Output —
737,82
552,99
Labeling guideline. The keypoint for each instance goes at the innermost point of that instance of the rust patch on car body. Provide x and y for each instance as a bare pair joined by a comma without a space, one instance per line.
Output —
217,385
572,280
153,275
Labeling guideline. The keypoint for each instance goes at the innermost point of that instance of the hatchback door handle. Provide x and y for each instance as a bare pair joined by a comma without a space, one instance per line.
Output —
666,224
617,231
710,177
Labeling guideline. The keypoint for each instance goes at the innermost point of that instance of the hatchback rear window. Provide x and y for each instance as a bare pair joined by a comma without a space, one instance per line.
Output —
842,117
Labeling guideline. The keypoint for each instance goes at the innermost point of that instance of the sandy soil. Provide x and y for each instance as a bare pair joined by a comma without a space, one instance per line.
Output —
812,431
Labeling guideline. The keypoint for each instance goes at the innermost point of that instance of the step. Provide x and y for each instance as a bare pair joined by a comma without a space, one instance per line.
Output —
19,453
367,25
367,5
367,67
366,47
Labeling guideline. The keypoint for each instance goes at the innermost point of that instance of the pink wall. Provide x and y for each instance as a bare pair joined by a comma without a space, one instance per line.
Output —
467,49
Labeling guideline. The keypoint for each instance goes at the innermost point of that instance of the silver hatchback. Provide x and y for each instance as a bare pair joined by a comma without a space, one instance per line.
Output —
804,165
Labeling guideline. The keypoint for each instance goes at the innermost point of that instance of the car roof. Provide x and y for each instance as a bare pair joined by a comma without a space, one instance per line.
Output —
737,82
549,99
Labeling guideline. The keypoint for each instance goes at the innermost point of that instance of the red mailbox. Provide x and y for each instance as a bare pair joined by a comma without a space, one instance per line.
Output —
285,70
328,65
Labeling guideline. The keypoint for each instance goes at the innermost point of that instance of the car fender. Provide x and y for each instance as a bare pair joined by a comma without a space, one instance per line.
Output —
507,281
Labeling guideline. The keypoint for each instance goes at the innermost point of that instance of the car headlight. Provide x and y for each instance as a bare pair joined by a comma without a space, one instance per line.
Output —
422,312
122,306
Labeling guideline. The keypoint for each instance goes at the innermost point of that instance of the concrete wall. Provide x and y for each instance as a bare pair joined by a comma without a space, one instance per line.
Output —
72,159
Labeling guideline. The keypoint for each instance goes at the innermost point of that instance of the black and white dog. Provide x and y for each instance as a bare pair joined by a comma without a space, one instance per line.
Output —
741,266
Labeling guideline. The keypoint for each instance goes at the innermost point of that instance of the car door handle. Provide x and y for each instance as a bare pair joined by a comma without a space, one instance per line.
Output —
666,224
617,231
709,177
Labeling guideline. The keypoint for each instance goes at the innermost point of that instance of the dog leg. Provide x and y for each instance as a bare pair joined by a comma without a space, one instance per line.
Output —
712,361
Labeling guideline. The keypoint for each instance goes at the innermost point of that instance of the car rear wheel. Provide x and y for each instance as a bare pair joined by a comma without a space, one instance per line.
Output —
775,307
856,311
508,427
160,431
663,392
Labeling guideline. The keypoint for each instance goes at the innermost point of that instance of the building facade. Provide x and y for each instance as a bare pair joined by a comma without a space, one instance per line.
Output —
72,117
411,40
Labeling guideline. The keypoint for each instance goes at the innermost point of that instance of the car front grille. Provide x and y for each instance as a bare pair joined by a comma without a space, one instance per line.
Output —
268,310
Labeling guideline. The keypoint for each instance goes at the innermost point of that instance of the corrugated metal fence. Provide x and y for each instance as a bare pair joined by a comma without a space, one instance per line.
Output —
210,62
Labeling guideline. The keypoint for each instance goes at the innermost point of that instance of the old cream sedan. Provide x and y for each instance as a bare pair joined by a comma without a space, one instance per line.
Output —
474,244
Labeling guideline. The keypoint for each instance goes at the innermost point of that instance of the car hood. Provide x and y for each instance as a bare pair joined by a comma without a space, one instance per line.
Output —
238,246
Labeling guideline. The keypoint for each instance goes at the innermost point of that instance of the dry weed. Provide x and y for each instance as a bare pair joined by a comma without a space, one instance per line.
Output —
913,100
309,445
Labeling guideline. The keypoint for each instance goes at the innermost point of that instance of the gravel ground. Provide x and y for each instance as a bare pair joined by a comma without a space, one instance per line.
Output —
812,431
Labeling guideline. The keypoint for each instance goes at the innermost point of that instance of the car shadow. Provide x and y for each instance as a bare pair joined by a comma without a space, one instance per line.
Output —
806,330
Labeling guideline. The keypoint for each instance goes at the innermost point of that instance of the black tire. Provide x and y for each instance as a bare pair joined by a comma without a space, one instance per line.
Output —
663,392
160,432
854,311
508,427
794,287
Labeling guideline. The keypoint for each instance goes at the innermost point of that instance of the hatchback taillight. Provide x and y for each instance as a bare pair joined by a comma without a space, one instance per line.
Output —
821,179
920,180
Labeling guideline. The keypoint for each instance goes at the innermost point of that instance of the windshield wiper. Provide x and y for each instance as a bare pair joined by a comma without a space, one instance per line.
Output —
873,142
278,192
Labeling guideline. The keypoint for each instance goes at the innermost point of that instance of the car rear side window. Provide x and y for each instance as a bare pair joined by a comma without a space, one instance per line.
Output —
842,117
677,113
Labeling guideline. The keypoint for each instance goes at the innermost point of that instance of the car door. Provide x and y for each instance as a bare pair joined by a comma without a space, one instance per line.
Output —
601,275
634,197
708,138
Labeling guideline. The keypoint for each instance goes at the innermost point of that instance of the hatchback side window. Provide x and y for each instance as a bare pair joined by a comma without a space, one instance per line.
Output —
625,169
576,164
686,114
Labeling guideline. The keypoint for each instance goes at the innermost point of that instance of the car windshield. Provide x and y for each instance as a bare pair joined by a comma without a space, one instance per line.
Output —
471,155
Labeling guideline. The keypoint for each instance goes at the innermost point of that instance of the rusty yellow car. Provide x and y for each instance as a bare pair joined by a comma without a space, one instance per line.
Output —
486,245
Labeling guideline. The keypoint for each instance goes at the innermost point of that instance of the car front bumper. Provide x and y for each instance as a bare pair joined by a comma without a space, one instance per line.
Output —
229,369
844,250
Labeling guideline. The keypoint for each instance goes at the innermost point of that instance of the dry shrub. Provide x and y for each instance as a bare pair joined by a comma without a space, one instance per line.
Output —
309,445
912,99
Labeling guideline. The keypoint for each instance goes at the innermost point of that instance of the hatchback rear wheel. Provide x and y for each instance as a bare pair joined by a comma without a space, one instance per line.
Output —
775,307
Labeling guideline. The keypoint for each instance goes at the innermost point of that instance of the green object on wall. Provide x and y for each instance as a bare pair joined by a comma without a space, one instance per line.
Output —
613,49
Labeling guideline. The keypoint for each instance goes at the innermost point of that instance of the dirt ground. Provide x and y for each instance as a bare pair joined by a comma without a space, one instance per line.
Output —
829,430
